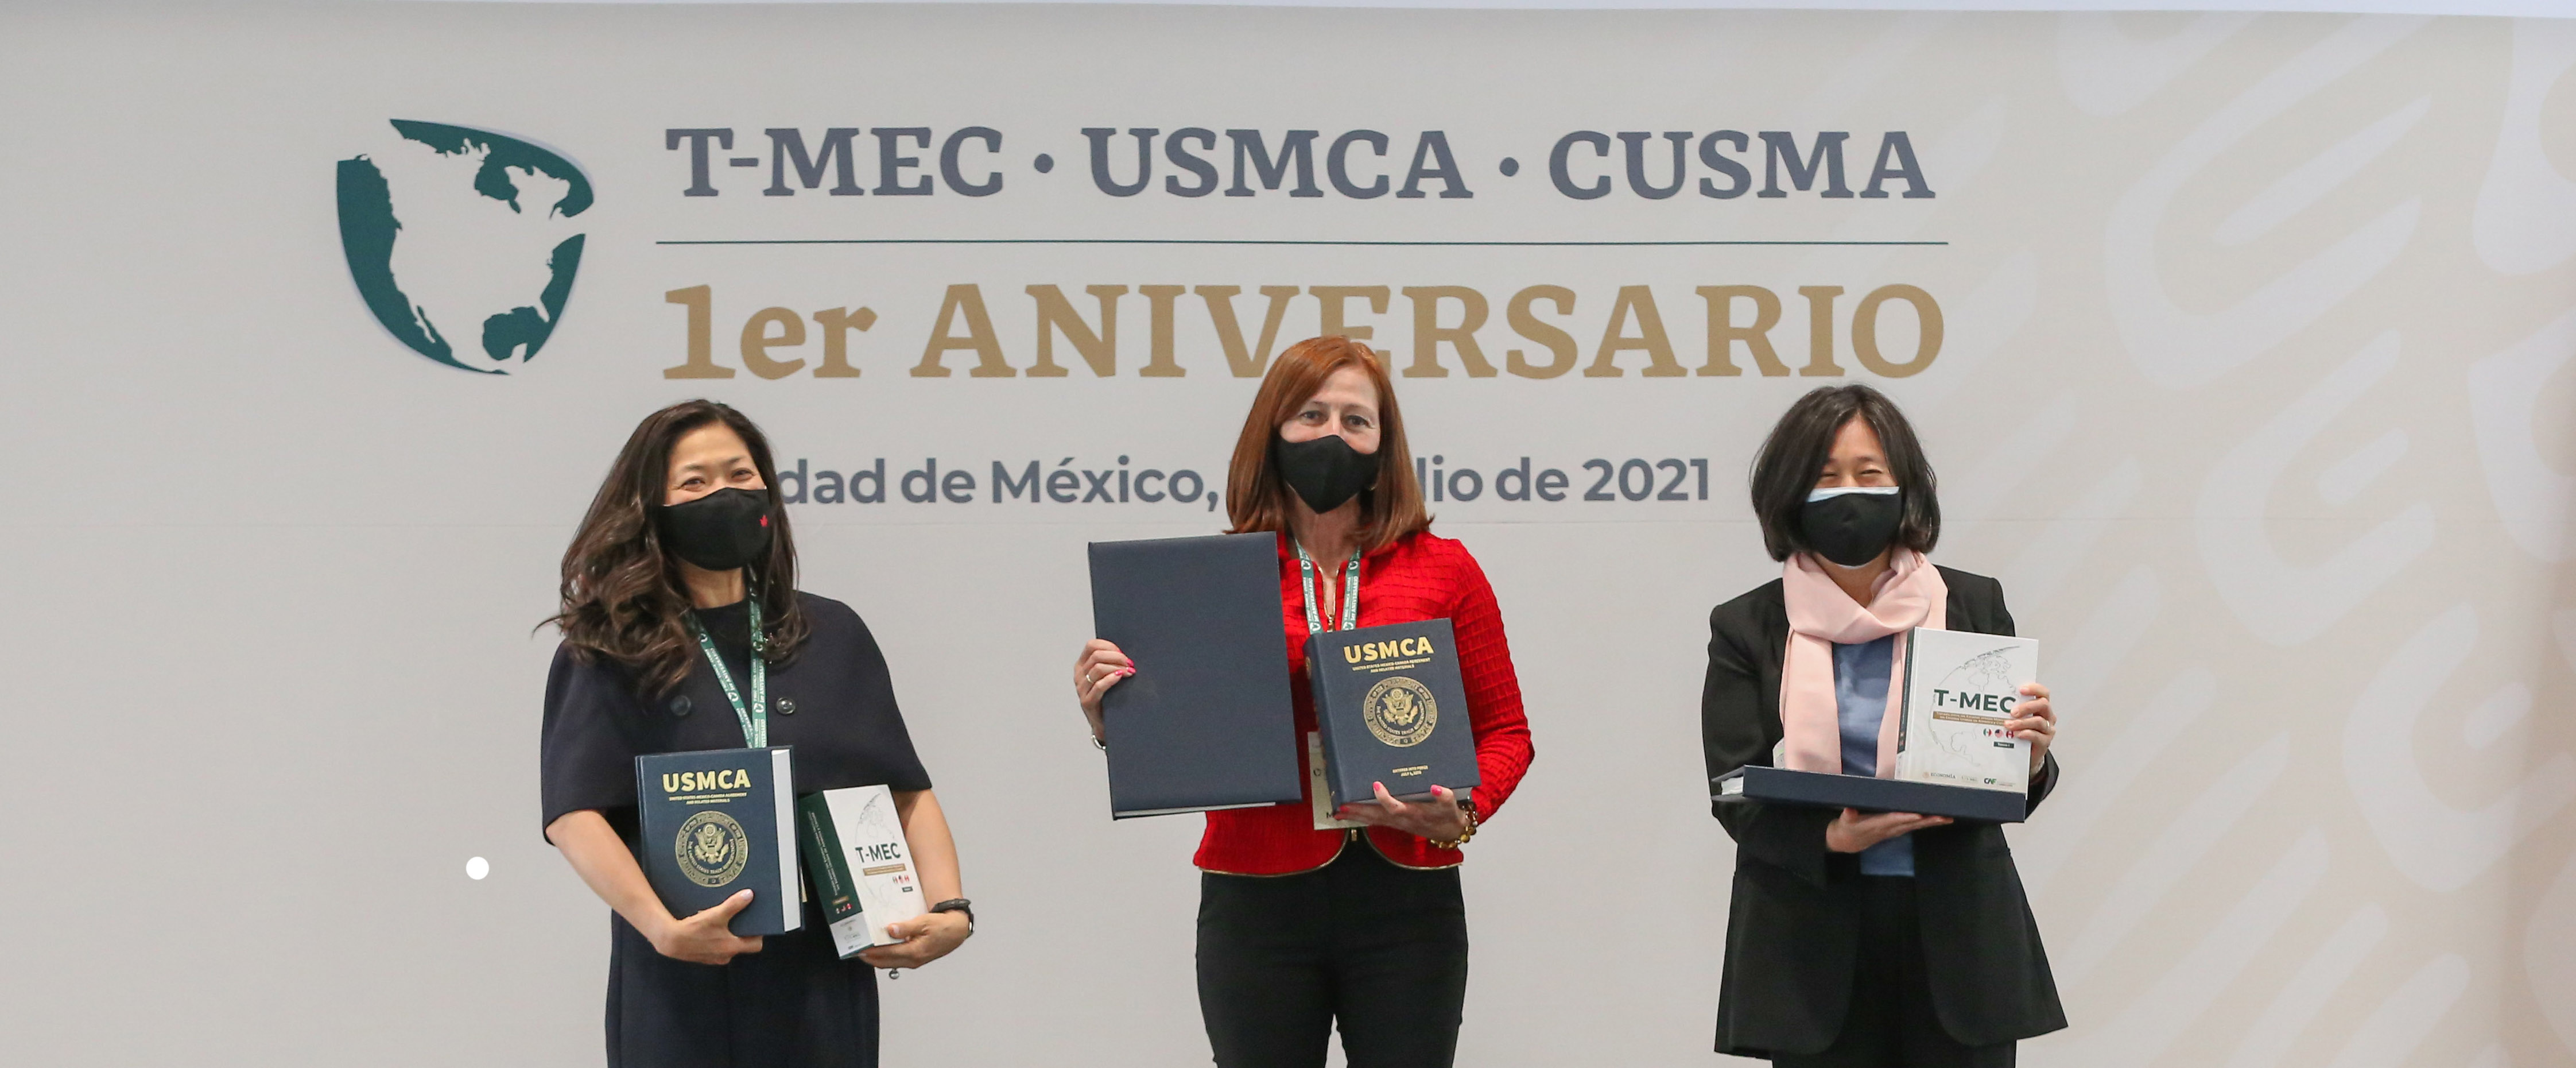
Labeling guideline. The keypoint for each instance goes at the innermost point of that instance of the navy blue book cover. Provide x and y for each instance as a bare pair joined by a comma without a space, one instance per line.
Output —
1392,710
718,821
1207,721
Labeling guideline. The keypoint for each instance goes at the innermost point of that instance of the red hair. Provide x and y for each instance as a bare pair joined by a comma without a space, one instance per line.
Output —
1256,498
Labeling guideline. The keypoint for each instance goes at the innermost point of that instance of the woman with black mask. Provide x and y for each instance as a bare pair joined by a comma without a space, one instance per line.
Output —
683,630
1310,919
1857,941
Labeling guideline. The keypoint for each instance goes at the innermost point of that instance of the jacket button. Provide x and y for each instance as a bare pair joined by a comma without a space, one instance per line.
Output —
786,706
680,705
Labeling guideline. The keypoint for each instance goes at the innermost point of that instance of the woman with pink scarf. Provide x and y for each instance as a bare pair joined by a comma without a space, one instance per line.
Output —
1857,941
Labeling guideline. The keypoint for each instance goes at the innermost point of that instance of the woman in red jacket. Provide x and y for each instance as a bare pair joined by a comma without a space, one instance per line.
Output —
1301,929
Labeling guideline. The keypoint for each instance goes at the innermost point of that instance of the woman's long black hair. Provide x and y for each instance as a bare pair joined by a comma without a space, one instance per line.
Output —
622,595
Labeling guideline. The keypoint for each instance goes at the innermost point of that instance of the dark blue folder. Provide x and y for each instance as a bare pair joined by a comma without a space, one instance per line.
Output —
1206,722
719,821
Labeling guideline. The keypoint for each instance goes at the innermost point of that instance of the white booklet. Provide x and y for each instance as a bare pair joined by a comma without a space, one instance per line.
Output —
1960,688
862,867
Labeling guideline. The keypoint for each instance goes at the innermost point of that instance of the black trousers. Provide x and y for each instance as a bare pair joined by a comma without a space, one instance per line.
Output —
1891,1023
1381,949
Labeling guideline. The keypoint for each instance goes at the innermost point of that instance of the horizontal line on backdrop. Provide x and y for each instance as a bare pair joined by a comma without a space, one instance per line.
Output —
892,524
1260,241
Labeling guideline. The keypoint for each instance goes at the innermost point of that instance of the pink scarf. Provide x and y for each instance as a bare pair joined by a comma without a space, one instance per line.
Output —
1821,616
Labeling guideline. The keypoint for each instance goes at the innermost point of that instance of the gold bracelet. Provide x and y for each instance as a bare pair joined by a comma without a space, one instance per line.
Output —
1467,808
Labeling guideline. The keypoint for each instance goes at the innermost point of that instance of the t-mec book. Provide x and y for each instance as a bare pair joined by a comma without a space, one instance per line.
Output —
862,867
1960,689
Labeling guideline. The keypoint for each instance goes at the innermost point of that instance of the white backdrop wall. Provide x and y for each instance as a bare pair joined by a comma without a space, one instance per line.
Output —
2250,381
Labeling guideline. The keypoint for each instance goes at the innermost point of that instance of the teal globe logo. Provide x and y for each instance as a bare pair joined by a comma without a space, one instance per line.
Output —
462,241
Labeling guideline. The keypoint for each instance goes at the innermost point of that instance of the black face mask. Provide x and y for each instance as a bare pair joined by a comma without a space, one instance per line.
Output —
1324,471
1851,528
720,531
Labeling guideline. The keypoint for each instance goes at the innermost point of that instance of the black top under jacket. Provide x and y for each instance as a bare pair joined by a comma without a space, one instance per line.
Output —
1792,926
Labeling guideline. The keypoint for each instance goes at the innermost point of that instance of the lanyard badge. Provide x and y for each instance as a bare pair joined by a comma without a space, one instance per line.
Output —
1350,590
755,718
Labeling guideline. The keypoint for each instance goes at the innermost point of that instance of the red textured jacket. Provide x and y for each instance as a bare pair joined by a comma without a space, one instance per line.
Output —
1418,577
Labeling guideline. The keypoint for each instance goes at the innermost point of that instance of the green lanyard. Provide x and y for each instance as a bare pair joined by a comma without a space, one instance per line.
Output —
755,719
1350,590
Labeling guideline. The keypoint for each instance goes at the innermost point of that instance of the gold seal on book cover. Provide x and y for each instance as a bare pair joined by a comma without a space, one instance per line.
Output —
1400,712
712,848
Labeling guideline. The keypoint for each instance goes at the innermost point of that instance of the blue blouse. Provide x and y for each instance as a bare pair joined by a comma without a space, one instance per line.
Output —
1860,701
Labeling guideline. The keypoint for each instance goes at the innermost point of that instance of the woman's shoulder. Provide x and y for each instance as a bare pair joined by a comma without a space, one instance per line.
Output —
573,658
1431,545
1750,609
1750,618
587,676
1425,547
1971,588
1976,603
819,606
1425,556
829,618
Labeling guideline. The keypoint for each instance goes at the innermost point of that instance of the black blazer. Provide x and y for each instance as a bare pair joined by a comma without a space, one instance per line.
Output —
1792,929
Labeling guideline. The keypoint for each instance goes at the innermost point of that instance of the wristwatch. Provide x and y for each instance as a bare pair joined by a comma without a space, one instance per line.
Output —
958,904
